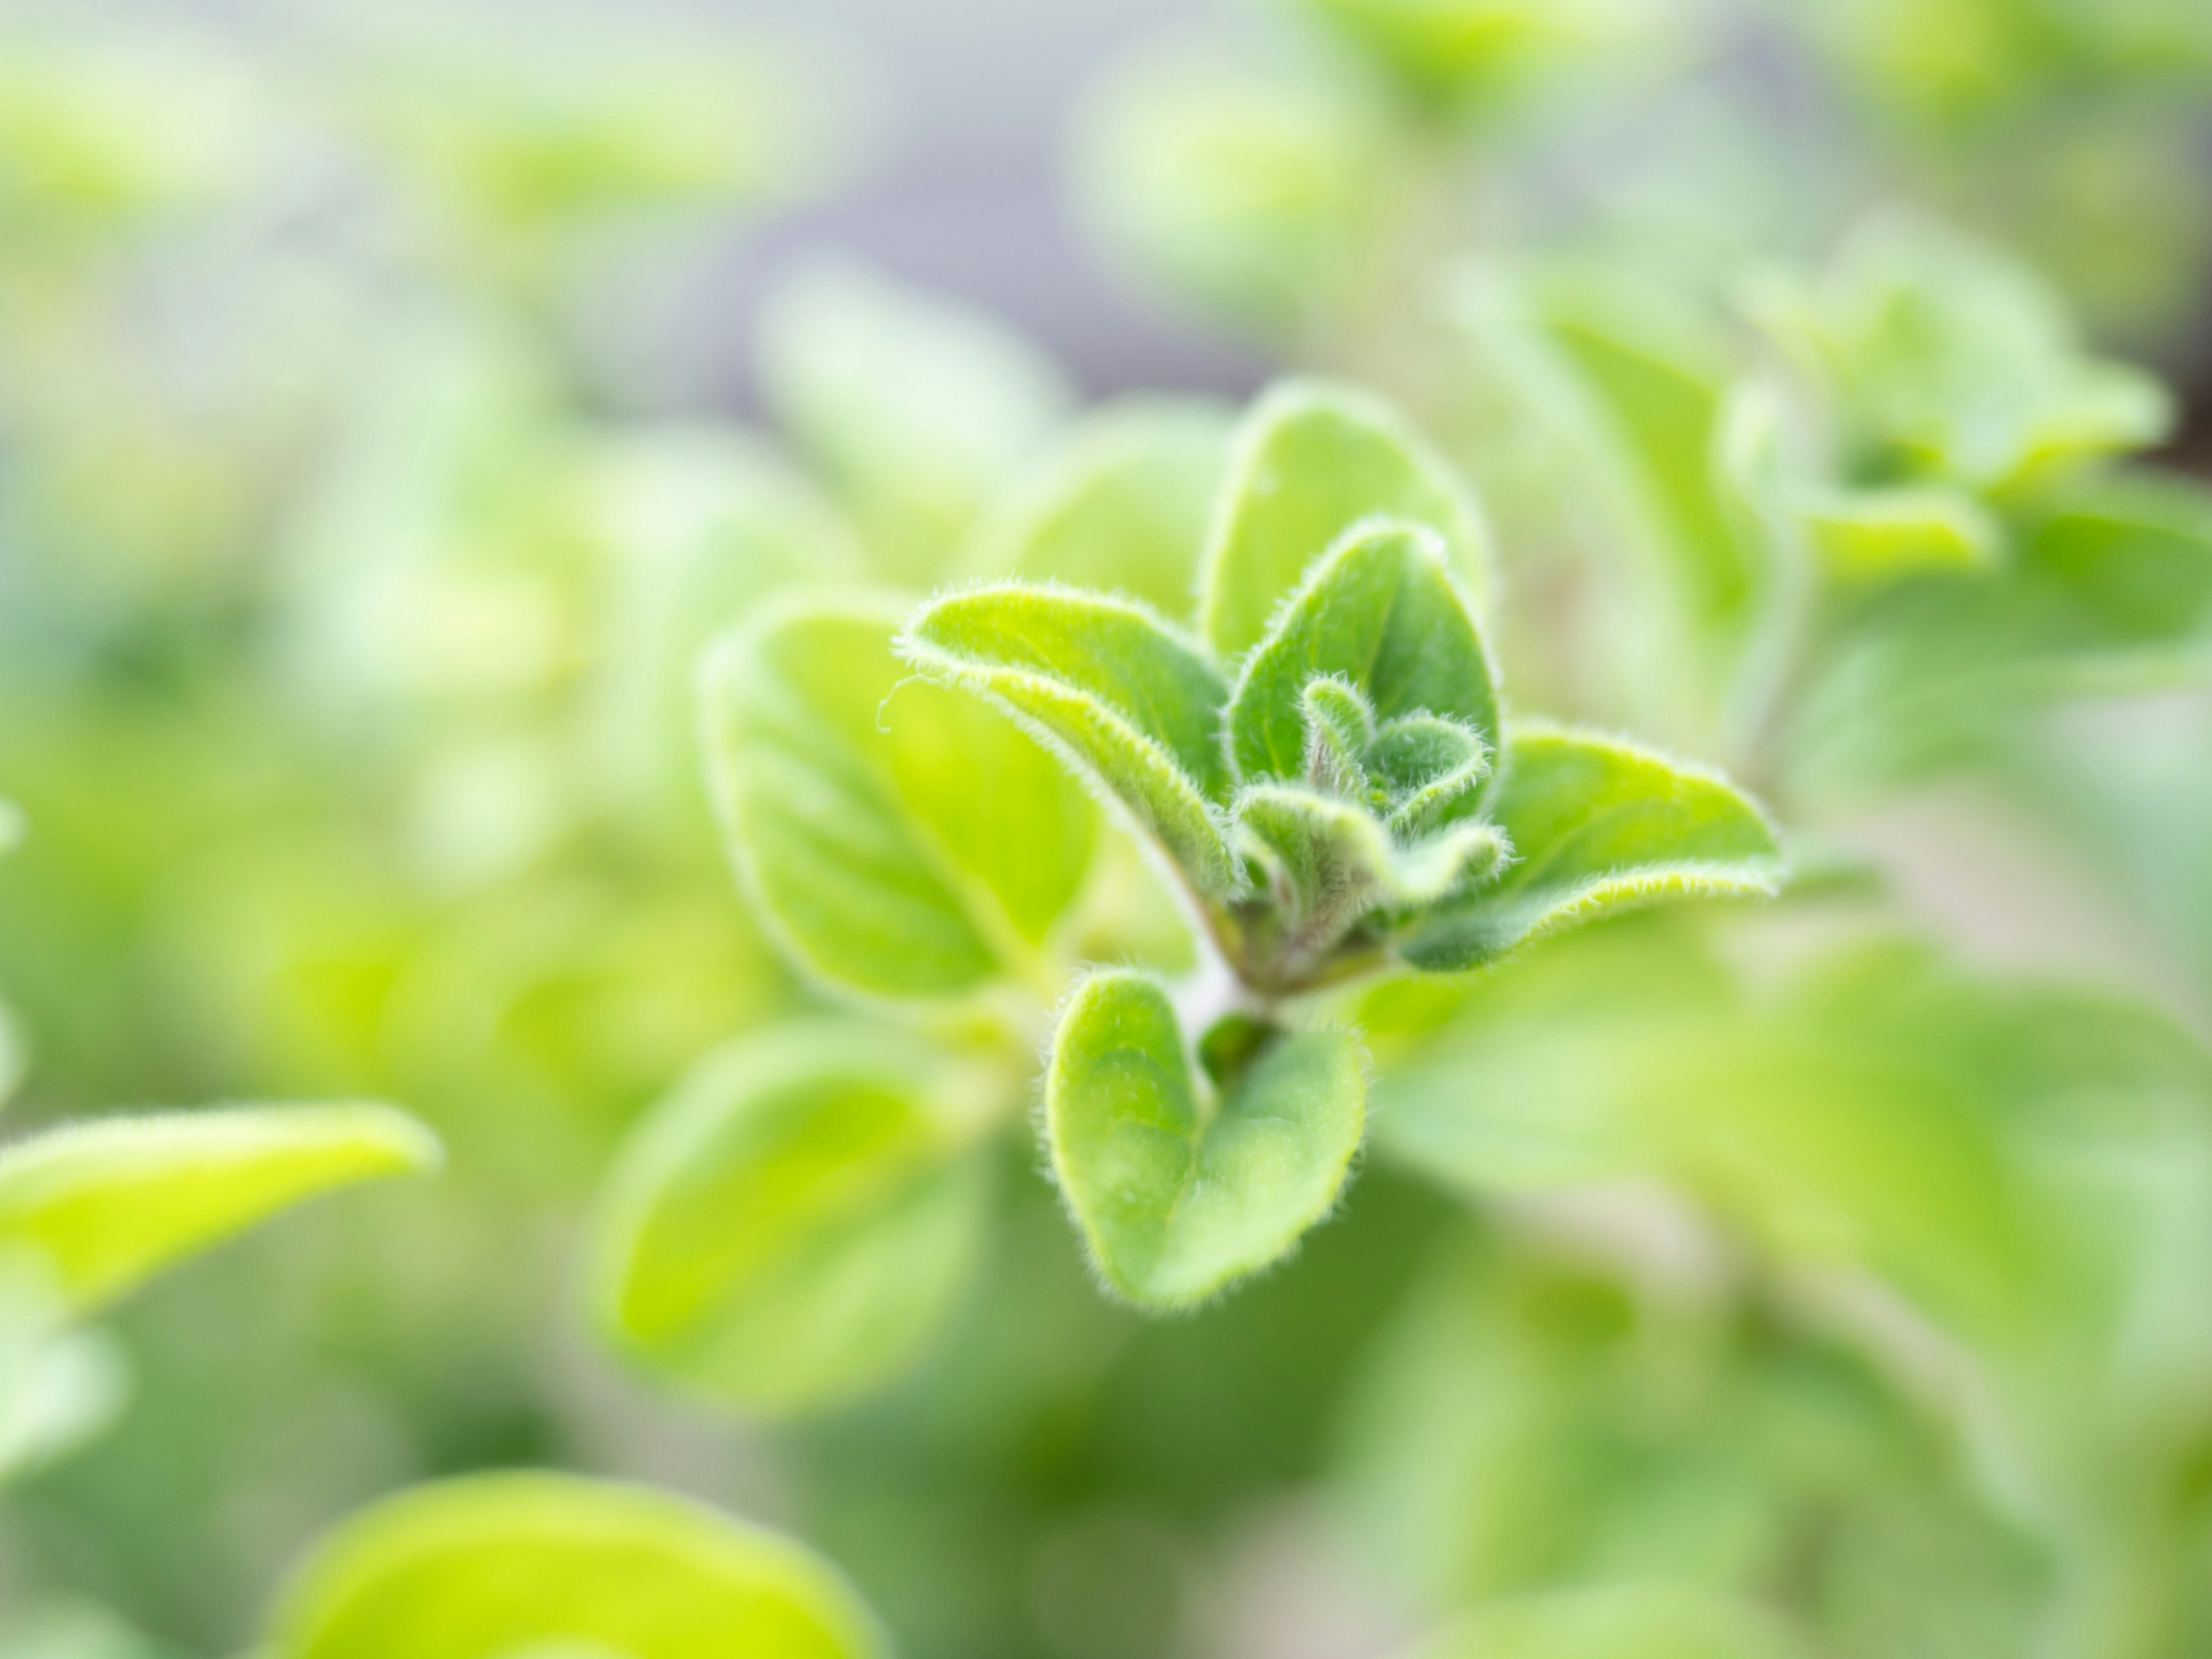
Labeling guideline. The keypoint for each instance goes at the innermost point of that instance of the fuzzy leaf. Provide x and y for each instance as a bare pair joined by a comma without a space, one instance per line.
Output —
498,1563
1177,1193
1599,825
1379,610
789,1227
105,1205
916,848
1313,459
1121,504
1109,685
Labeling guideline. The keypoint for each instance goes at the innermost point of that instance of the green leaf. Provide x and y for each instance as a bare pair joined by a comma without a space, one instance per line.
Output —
12,824
790,1226
489,1565
1598,825
1313,459
107,1204
1176,1193
919,410
1656,1621
2123,569
1378,611
1874,535
1111,686
1121,505
1243,187
915,845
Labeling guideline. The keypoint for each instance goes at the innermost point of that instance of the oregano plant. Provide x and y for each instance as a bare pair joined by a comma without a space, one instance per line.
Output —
1318,766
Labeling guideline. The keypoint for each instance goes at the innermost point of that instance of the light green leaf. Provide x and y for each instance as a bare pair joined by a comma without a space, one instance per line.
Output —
1120,505
1177,1193
919,409
1874,535
915,845
2122,570
1455,54
107,1204
1380,612
1313,459
1243,187
1110,685
487,1564
1599,825
1654,1621
11,826
790,1226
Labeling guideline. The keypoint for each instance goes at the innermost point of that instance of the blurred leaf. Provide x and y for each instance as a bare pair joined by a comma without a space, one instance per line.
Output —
1378,611
919,410
1660,375
1634,1621
107,1204
2125,565
1462,53
792,1224
1574,1422
493,1564
58,1387
1120,505
1111,687
1247,190
899,840
72,1630
1314,457
1879,535
1178,1193
1599,825
1936,361
701,523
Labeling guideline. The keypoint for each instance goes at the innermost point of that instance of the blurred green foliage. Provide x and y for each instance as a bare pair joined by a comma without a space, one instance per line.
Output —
1739,1280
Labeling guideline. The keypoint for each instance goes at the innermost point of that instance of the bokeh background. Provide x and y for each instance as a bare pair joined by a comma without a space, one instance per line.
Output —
392,399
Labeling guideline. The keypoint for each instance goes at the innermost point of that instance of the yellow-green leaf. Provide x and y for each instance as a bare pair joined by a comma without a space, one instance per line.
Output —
899,840
1380,612
1178,1193
790,1226
1313,459
490,1566
1110,685
105,1204
1599,825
